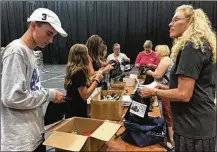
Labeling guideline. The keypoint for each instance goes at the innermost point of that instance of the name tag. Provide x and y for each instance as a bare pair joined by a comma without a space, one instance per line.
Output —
138,109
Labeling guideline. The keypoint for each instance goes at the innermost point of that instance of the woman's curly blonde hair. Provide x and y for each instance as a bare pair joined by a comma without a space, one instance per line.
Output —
199,30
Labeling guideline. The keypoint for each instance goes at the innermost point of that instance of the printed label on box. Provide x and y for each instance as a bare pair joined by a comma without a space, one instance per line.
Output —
138,109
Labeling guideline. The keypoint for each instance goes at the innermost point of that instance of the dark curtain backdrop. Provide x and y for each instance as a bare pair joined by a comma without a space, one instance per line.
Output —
129,23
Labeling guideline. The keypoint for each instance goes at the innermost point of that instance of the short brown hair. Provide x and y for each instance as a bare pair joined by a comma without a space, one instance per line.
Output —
116,44
38,23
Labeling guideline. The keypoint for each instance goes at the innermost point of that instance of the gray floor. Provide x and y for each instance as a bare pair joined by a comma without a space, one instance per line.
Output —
52,76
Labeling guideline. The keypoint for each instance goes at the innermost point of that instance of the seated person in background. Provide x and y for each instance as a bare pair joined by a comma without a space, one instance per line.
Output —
147,57
117,55
77,83
162,74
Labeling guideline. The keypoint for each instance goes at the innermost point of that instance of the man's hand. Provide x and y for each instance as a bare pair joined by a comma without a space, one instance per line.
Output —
59,97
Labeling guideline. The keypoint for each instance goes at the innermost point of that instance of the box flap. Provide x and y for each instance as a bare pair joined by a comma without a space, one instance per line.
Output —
84,125
56,125
105,131
65,141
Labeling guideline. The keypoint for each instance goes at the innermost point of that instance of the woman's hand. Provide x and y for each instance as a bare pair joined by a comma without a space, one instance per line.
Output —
151,66
137,65
149,72
99,76
113,61
103,64
107,68
146,92
162,86
100,69
92,77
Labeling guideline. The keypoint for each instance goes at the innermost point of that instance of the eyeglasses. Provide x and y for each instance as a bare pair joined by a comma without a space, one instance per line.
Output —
177,19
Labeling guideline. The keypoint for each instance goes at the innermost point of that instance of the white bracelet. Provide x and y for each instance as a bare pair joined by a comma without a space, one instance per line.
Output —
97,80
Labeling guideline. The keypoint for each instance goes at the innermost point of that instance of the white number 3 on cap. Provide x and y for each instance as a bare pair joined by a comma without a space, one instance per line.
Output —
44,16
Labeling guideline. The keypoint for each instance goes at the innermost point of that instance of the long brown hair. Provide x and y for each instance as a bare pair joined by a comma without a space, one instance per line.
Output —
77,60
103,52
93,45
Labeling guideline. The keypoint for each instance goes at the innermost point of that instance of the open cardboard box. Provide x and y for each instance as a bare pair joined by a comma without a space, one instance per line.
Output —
106,109
63,139
117,85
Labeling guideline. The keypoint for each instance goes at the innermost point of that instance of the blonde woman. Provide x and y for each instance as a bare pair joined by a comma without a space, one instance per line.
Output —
77,82
162,74
191,89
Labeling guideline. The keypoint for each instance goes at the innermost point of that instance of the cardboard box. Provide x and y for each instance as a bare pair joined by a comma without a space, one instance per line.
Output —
130,82
117,86
106,109
63,140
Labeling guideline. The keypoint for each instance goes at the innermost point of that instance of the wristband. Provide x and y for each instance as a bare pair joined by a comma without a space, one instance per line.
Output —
97,80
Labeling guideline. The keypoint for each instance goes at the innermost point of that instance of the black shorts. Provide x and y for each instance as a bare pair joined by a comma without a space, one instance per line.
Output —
193,145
